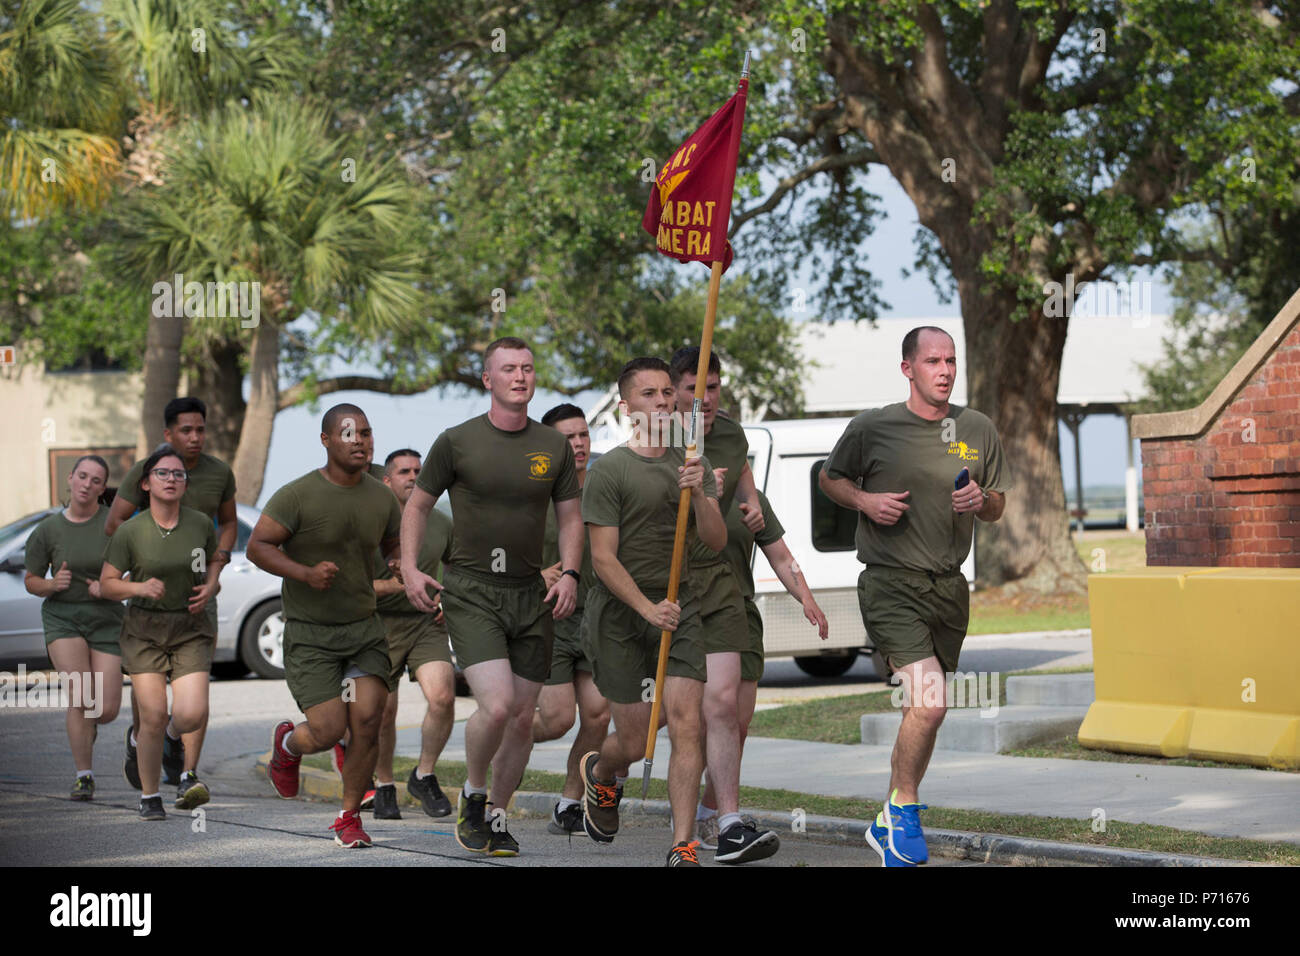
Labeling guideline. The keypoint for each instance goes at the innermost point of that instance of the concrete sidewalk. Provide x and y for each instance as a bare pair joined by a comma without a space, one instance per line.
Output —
1254,804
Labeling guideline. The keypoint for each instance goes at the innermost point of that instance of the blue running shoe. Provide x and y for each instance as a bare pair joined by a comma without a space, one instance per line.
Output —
878,838
904,827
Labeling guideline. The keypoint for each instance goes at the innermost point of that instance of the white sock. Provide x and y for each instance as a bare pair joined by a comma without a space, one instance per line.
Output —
343,813
149,796
284,745
727,820
704,813
471,791
134,742
565,803
619,781
422,776
171,732
85,773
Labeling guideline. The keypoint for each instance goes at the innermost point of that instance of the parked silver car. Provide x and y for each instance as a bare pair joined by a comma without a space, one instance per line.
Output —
250,627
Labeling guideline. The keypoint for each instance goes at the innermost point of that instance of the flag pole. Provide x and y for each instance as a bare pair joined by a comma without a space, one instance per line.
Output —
684,501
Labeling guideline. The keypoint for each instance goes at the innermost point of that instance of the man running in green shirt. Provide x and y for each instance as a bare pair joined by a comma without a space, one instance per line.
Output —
418,644
210,489
726,630
927,469
570,683
503,471
320,533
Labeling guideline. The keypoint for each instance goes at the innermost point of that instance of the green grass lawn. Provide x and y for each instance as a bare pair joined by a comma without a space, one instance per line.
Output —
1135,836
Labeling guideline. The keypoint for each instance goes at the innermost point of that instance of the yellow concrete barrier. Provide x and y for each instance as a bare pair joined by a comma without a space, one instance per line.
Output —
1197,662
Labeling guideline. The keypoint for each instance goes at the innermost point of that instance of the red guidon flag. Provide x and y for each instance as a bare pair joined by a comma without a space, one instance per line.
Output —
690,204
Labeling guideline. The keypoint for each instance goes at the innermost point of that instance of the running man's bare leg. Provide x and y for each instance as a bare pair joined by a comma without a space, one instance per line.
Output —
556,709
493,686
748,700
387,743
437,679
364,716
920,727
593,725
683,698
516,743
722,718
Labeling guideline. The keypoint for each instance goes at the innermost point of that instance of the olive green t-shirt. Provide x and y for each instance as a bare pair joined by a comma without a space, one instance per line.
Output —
328,522
894,449
211,484
727,447
741,541
139,547
551,555
57,539
639,496
501,485
434,549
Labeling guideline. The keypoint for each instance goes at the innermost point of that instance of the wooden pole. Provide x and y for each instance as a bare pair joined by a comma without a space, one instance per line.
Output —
683,516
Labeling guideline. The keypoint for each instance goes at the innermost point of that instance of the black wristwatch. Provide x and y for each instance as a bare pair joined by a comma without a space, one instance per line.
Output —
576,576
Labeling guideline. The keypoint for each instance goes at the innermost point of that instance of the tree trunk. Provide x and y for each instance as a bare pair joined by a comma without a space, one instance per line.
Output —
259,416
219,381
1014,369
162,375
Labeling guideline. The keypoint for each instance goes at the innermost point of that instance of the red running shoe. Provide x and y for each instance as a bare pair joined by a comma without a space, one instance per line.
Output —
283,769
368,798
348,832
340,754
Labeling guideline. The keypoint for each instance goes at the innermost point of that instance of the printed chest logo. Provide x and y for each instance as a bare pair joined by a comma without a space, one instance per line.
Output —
963,451
539,465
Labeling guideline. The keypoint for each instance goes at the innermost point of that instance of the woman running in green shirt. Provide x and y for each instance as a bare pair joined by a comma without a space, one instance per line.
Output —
81,627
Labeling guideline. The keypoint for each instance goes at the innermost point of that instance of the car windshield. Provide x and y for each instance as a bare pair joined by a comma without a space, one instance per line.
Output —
10,532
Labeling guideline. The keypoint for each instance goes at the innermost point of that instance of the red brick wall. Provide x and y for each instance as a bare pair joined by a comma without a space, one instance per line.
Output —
1221,499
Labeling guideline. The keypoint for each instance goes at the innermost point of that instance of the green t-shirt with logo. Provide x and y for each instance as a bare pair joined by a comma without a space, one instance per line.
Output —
741,541
80,543
345,525
639,496
501,486
141,548
551,555
434,549
210,485
727,447
893,449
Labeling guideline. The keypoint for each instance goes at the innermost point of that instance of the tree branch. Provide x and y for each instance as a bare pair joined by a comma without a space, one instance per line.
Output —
861,157
367,383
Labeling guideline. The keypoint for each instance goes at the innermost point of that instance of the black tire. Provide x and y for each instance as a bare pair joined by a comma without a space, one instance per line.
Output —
826,665
252,641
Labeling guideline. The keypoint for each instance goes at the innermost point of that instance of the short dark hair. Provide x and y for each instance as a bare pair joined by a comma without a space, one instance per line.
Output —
400,453
180,406
563,412
912,340
331,417
646,363
505,342
687,359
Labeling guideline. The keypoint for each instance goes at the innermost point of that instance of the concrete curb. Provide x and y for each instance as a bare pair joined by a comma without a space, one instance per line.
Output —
953,844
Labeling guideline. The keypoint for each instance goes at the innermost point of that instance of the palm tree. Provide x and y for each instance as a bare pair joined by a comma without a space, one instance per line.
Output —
61,109
184,58
263,194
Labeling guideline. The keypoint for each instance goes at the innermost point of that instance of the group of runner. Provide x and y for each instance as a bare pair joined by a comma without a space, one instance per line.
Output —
553,594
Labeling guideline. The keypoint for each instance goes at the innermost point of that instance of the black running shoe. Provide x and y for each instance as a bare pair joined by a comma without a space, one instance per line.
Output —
84,789
386,802
568,820
173,759
430,795
471,831
131,769
151,808
599,802
742,843
683,854
500,842
191,792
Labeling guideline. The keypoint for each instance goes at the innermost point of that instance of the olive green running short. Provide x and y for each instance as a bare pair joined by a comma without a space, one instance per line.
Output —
413,641
912,615
317,658
722,609
99,625
624,648
497,618
751,658
567,655
172,643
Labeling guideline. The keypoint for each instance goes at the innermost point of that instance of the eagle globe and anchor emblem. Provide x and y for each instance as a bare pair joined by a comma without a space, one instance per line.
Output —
539,465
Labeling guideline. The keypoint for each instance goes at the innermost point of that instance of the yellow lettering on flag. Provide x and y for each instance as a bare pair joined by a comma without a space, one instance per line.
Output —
683,213
704,249
692,243
666,217
677,242
697,219
710,205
